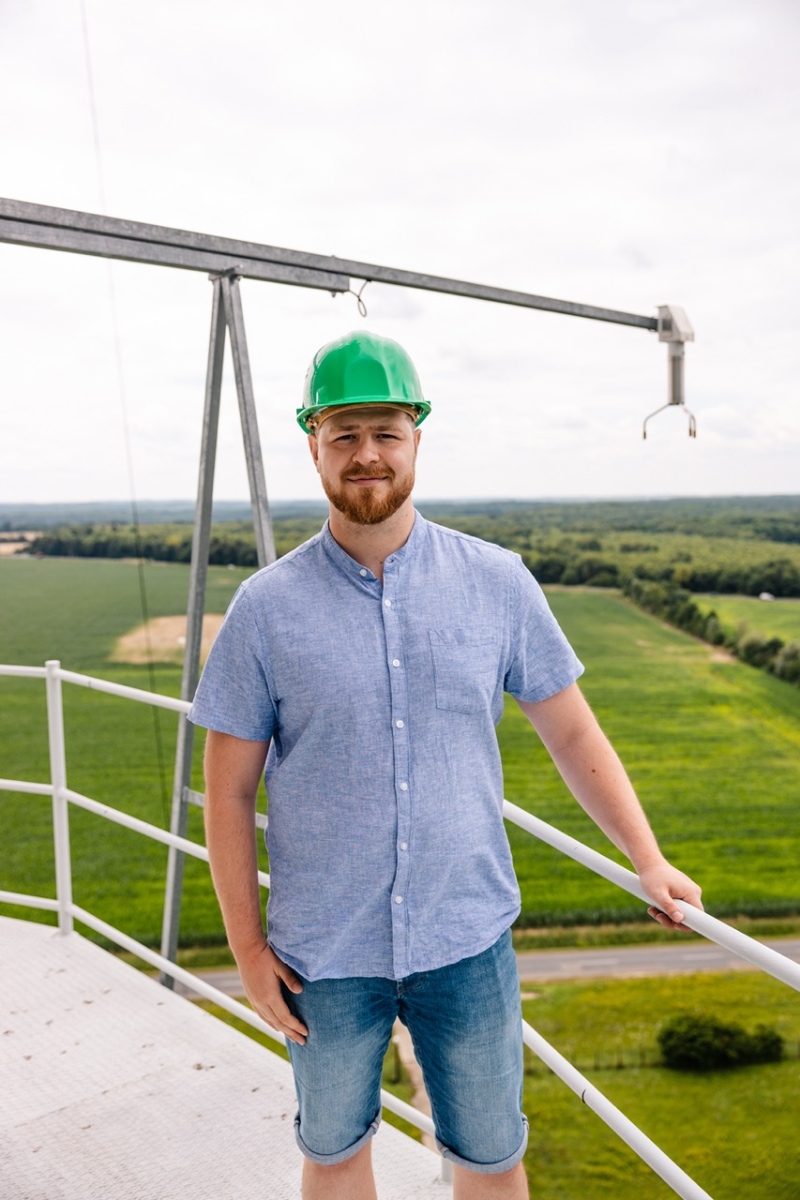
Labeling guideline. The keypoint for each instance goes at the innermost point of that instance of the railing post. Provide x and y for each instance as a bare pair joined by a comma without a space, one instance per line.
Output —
58,778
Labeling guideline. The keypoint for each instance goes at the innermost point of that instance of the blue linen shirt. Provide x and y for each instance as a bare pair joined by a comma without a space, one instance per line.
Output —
388,853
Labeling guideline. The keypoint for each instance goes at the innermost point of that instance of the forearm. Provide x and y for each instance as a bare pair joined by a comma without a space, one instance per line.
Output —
592,771
230,839
233,773
594,774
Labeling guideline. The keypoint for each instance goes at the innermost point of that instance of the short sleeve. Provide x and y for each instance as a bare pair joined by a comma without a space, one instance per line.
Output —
233,695
541,662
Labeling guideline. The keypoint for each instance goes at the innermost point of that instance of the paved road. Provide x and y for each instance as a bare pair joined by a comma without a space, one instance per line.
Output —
671,958
539,966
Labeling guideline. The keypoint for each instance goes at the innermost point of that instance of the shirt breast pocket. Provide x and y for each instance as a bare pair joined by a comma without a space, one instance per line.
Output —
465,669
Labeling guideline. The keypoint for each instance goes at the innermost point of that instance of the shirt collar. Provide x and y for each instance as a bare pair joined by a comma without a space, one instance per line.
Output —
354,569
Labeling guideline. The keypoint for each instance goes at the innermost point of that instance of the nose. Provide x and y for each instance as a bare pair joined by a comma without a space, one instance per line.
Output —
367,451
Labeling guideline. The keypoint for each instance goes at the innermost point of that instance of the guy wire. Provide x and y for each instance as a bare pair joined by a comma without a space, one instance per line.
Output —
122,393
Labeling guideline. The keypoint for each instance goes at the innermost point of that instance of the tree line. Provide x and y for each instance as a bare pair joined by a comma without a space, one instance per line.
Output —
675,605
695,562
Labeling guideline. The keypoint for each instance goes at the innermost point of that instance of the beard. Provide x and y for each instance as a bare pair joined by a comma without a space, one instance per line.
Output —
363,506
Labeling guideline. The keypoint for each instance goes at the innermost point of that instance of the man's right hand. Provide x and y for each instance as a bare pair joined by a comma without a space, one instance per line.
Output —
262,975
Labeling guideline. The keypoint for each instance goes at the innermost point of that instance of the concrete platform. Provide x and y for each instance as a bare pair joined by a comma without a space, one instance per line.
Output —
112,1086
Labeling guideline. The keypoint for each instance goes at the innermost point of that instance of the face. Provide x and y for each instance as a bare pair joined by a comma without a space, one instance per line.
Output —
366,462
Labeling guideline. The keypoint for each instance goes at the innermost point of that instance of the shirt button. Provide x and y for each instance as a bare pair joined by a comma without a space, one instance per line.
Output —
362,571
388,603
395,662
398,899
403,787
404,845
400,724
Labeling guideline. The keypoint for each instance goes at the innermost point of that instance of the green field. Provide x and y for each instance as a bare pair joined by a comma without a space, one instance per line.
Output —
712,746
773,618
74,610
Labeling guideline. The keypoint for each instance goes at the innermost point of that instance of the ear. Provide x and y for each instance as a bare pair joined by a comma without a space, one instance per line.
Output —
313,446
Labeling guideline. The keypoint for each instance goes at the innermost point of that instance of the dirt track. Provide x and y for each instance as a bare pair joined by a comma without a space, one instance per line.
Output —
162,640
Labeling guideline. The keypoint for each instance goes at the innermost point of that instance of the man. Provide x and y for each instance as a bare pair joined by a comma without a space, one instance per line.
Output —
367,670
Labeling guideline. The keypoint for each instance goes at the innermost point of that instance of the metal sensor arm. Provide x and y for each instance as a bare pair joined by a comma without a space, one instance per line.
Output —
675,329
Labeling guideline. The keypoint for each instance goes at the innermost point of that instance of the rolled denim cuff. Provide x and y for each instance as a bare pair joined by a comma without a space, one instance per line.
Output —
329,1160
487,1168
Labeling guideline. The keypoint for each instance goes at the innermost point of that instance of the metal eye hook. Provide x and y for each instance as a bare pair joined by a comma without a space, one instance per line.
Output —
362,308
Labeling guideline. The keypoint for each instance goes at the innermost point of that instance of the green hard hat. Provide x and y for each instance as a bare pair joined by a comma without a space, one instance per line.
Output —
361,368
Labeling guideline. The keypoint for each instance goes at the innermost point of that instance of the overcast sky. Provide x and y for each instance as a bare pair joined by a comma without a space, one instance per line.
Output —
627,153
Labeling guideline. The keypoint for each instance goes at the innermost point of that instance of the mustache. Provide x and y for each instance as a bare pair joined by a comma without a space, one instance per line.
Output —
367,473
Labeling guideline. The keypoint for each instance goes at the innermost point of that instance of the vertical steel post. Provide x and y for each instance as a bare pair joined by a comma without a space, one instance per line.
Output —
265,542
201,538
58,778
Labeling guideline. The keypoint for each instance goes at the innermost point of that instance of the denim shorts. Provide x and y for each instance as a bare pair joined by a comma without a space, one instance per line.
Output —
465,1023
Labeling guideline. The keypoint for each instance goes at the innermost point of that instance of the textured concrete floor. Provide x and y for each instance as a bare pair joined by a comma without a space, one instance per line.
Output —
112,1086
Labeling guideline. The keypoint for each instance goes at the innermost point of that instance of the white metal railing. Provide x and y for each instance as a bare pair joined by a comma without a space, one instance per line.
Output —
758,955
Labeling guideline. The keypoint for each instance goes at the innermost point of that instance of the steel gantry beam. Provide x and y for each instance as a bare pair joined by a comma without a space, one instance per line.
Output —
109,237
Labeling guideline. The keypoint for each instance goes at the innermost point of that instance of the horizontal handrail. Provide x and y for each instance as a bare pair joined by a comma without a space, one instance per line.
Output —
21,785
26,901
23,672
761,956
195,849
121,689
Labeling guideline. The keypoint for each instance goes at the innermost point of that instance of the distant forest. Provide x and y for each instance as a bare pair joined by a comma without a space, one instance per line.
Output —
735,545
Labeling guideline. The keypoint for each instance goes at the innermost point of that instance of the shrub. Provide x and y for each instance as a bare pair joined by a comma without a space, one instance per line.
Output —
713,632
694,1042
757,650
787,663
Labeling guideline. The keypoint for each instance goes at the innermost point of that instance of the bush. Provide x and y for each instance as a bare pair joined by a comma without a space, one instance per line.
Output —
757,650
693,1042
786,664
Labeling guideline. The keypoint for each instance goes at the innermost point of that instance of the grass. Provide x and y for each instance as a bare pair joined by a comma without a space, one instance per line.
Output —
776,618
75,610
734,1132
712,747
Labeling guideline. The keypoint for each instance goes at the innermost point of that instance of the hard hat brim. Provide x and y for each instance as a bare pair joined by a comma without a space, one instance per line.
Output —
310,419
319,415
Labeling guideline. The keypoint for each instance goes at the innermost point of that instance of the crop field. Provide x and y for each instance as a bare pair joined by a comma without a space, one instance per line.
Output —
75,610
711,744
